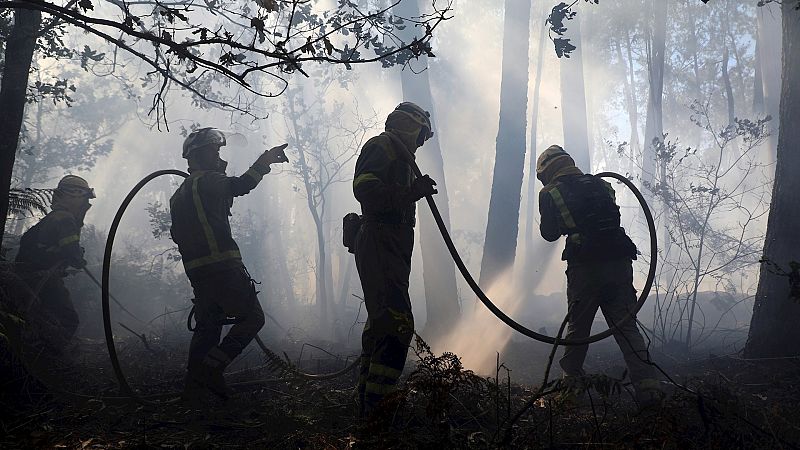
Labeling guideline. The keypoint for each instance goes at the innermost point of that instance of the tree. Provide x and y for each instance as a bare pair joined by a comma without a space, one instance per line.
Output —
13,90
714,203
323,154
654,125
773,328
767,86
535,262
502,227
183,46
438,269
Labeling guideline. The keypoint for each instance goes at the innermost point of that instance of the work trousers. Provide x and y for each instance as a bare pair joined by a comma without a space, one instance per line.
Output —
383,260
52,313
607,285
229,293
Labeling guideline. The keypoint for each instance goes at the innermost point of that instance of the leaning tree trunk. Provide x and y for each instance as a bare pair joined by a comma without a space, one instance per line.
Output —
500,245
18,57
438,270
773,328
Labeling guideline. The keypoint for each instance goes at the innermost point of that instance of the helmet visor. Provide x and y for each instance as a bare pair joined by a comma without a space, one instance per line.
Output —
77,191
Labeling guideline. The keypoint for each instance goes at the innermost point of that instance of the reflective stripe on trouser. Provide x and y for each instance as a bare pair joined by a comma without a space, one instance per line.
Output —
229,293
383,260
607,285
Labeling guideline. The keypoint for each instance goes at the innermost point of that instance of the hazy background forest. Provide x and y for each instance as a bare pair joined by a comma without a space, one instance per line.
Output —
675,94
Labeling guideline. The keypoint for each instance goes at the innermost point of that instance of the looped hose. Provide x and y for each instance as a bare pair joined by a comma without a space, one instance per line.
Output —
106,276
516,325
106,295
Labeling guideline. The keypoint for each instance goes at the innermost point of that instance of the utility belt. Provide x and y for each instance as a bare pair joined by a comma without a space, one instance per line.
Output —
389,219
599,245
351,224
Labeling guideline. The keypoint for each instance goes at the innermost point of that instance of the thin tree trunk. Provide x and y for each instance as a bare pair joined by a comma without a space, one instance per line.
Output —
438,269
773,328
316,207
758,81
654,126
629,90
769,61
18,57
726,81
502,227
348,262
535,261
573,105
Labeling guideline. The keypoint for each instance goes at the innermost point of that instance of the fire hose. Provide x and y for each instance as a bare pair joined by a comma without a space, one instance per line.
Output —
125,388
516,325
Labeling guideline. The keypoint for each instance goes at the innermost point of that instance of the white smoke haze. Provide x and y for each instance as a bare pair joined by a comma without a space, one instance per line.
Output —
276,230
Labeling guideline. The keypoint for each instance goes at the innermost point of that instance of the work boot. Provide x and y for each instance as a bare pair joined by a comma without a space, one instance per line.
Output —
210,373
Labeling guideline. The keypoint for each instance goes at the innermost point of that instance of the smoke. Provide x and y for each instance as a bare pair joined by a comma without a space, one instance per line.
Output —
479,334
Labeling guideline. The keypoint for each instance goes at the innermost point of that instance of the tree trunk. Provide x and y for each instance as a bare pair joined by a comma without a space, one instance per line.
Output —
573,105
629,90
769,62
654,126
503,224
438,269
536,257
18,57
773,328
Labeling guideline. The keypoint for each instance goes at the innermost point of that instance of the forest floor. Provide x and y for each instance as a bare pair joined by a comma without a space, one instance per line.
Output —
714,402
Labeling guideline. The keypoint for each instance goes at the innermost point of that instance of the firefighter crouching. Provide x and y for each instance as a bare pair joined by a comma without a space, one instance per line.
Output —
599,257
45,252
384,184
222,286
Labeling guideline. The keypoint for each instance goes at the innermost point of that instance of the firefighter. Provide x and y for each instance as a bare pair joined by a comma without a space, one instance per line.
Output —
599,257
385,186
45,252
222,286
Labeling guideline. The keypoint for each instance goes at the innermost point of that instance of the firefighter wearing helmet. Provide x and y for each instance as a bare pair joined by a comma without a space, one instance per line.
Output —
45,252
599,257
222,286
385,186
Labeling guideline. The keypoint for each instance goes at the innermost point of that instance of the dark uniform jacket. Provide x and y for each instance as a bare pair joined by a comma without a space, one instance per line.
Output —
200,209
383,180
54,240
583,208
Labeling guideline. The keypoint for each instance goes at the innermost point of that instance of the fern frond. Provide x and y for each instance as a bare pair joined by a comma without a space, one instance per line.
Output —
29,200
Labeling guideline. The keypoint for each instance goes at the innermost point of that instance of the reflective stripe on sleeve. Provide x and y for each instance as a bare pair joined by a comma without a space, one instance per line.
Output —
254,174
364,178
69,240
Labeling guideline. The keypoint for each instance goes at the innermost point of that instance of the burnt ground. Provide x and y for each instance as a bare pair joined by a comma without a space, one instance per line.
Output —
717,402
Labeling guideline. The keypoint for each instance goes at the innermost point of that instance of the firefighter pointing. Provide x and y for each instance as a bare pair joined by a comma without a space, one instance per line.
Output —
222,286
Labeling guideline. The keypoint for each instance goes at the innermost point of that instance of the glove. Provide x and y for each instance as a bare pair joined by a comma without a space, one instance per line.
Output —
273,155
422,187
